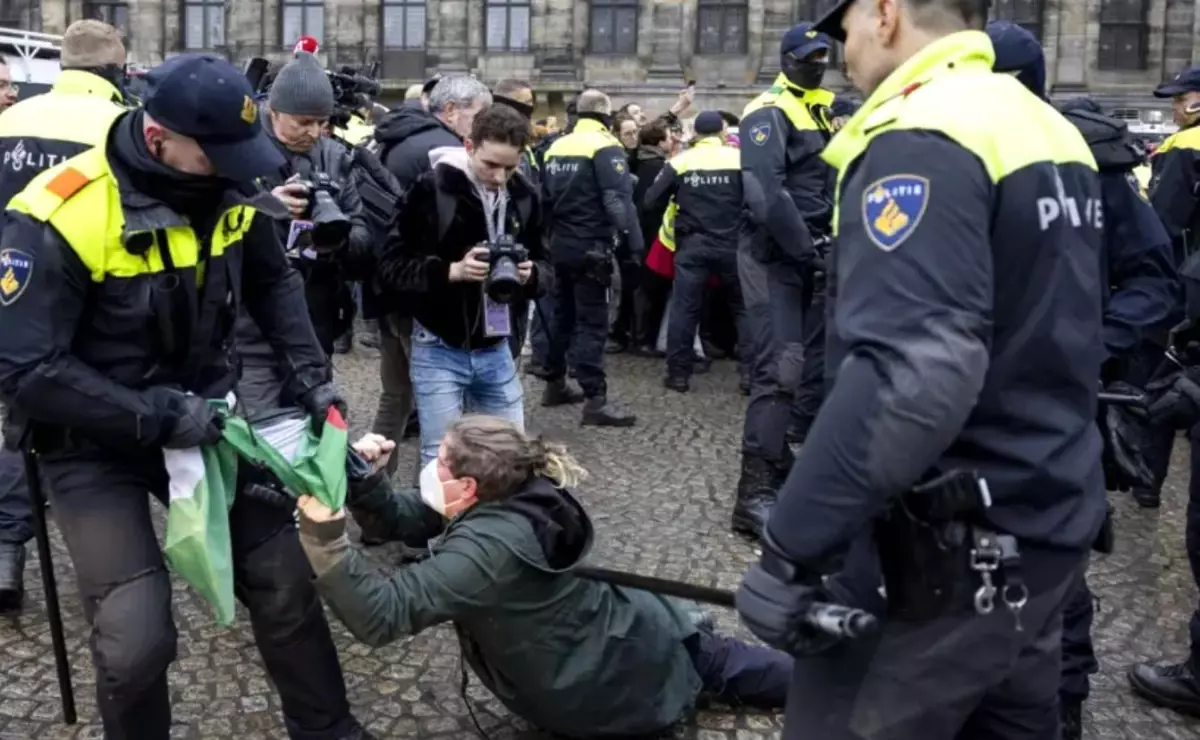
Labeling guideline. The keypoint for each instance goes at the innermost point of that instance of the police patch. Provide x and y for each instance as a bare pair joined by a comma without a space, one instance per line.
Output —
16,267
892,207
619,166
760,133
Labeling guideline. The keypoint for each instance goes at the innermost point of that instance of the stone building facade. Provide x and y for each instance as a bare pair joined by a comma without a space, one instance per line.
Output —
640,50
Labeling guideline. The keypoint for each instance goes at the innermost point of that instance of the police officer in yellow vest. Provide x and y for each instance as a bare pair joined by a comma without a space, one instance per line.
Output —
960,426
588,204
35,134
121,273
73,116
1175,181
789,203
705,184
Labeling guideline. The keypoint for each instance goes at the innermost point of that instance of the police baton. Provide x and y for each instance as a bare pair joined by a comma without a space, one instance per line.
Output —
832,619
1122,399
58,641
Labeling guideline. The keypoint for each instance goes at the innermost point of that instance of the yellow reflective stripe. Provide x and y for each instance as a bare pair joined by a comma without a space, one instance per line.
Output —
588,137
707,155
82,119
1188,138
92,223
666,232
949,87
794,103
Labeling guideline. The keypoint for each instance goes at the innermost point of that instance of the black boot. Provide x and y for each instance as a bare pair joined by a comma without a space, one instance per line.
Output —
1147,498
1171,686
615,346
744,385
343,344
1071,714
677,383
598,412
756,492
12,573
701,365
646,350
559,393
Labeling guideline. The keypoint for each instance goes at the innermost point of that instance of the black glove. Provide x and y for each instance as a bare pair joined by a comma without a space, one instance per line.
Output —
1123,429
317,400
1174,400
187,420
774,600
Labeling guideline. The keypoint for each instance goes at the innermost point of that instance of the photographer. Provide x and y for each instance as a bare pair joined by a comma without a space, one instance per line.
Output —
327,237
465,249
575,657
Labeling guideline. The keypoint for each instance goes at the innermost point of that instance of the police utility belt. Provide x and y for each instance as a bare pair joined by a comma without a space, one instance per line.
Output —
937,557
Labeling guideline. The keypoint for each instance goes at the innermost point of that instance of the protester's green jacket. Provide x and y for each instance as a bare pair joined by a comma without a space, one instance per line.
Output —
575,657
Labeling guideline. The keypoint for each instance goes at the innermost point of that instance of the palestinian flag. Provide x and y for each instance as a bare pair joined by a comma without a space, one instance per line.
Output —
307,463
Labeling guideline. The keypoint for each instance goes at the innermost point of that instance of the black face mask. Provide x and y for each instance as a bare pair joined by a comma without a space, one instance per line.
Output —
605,119
524,109
805,74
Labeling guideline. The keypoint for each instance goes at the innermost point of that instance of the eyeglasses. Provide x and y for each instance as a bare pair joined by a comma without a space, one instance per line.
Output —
7,87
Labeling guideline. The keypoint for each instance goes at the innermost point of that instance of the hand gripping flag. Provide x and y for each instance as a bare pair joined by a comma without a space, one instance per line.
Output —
203,482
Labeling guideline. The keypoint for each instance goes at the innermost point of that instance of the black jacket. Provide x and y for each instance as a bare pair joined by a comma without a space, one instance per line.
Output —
415,268
406,136
649,162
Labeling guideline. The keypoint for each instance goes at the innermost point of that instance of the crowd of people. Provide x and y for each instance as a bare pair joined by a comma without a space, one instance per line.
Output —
984,261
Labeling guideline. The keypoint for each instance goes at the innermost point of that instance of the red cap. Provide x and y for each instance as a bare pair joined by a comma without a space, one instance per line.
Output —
306,43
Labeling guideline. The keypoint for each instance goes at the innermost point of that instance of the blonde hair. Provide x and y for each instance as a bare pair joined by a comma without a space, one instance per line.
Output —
501,457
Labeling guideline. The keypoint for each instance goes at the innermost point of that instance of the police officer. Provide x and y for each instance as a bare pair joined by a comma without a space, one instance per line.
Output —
36,134
1175,178
969,234
1141,304
589,204
124,268
787,190
1173,192
705,183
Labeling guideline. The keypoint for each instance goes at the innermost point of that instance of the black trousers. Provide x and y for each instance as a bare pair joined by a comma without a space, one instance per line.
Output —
810,393
102,509
960,677
775,300
694,265
580,323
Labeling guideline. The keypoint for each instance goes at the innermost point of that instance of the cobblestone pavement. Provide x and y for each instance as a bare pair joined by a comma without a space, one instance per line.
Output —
660,495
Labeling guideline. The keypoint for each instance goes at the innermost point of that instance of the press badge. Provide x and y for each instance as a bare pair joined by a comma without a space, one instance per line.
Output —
299,241
497,319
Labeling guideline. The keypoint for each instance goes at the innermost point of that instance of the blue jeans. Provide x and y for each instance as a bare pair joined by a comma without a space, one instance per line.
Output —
448,381
16,512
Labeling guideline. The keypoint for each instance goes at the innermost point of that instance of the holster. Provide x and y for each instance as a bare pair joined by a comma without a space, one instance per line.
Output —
598,266
925,541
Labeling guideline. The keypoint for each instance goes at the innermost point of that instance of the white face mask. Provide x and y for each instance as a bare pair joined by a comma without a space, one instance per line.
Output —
433,493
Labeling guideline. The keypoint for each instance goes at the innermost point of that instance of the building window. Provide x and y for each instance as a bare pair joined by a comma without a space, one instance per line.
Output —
1027,14
302,18
203,24
722,27
1124,35
508,25
113,12
613,27
404,24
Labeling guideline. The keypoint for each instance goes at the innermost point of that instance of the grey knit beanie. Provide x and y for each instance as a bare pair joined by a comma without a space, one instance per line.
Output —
302,89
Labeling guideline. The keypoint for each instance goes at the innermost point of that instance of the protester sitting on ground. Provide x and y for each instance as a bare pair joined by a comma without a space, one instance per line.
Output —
576,657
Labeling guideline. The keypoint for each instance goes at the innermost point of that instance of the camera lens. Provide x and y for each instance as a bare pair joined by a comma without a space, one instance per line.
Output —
503,283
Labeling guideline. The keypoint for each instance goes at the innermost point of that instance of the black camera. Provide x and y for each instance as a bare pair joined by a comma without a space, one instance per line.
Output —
503,283
331,227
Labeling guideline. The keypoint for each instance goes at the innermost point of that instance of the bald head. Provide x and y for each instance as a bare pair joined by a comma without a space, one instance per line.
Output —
91,44
593,101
